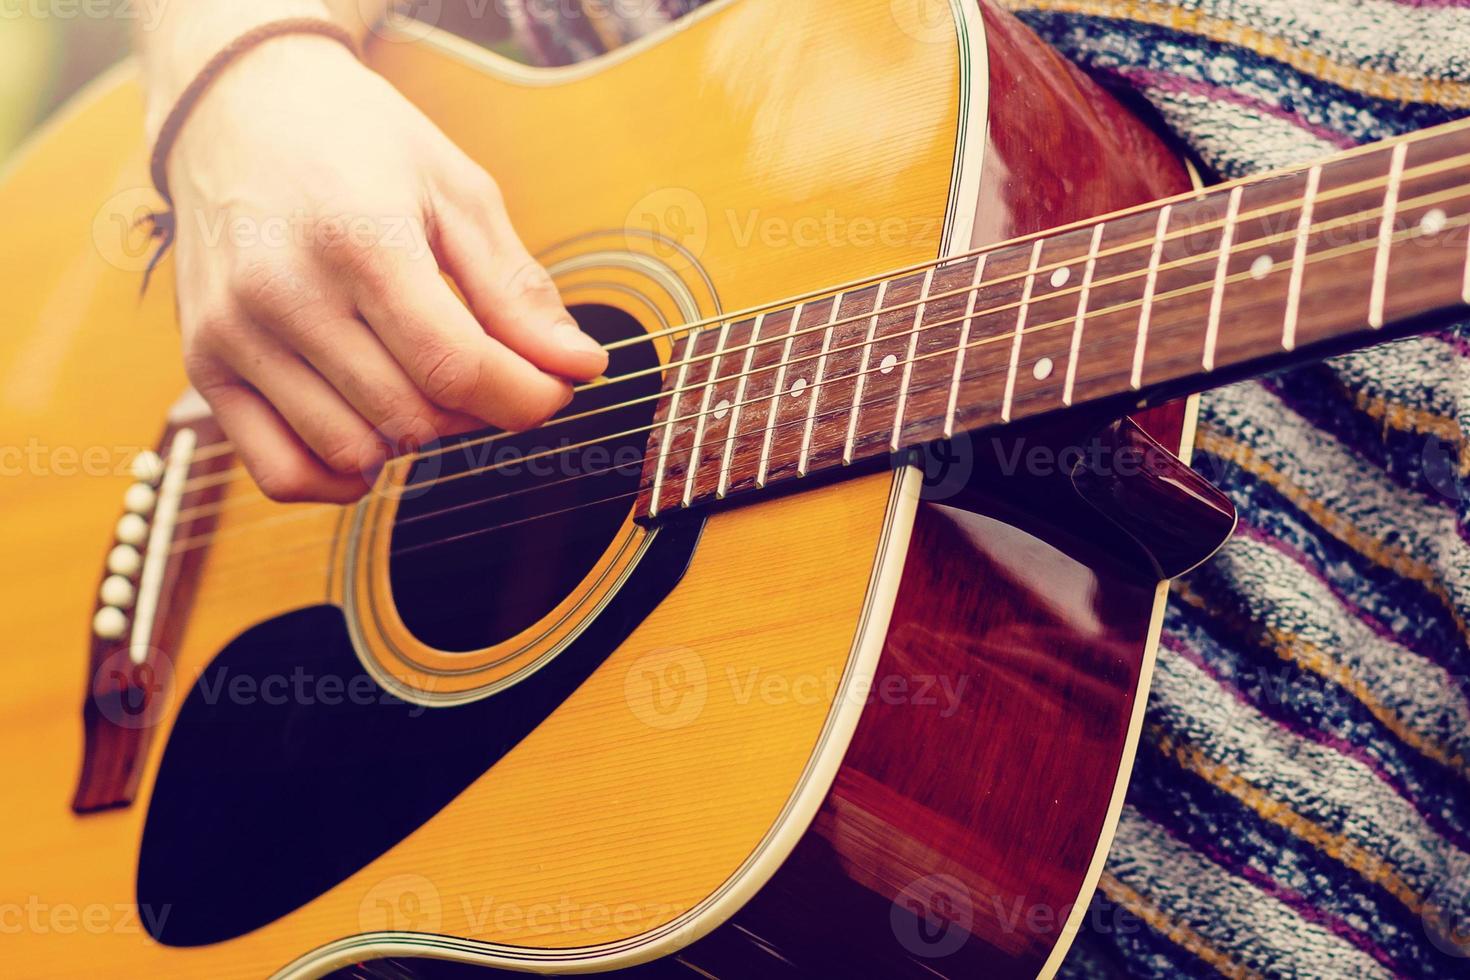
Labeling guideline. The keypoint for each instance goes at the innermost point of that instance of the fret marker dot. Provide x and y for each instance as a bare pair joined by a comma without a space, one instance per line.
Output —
1059,278
1262,266
889,363
723,408
1433,221
1043,369
798,387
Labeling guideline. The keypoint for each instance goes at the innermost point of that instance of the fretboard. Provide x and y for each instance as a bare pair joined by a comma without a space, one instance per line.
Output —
1154,301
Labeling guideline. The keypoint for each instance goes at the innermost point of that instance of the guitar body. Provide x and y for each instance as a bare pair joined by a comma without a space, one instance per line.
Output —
881,725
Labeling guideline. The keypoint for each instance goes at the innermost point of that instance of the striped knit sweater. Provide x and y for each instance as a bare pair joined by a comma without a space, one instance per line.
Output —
1301,801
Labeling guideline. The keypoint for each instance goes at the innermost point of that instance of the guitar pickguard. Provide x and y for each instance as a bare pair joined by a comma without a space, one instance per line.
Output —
289,769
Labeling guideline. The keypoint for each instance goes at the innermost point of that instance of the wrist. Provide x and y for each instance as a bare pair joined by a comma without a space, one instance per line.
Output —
258,107
191,34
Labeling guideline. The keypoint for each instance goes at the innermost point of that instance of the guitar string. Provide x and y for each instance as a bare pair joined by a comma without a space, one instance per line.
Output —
1437,197
838,292
1121,341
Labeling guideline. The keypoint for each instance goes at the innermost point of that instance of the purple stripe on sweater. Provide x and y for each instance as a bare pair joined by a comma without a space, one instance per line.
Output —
1430,652
1342,746
1173,83
1291,898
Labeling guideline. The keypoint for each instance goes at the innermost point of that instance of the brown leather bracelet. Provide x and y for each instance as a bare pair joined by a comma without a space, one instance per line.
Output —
164,224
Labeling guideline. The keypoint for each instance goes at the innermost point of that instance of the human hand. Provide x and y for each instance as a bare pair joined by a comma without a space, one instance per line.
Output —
317,210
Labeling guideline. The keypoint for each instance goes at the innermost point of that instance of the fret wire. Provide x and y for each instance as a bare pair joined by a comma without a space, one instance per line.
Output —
1385,237
1298,254
857,389
1083,293
959,359
1465,289
1149,284
709,388
724,484
1222,267
663,446
908,365
1010,389
776,393
811,411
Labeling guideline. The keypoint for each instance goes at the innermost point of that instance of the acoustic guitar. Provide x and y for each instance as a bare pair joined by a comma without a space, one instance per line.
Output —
811,640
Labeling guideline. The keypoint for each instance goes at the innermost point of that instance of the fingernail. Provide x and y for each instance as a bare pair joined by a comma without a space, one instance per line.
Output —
570,336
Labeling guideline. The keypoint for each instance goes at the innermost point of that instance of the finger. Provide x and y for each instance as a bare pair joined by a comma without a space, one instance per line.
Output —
345,352
340,437
278,462
512,294
443,349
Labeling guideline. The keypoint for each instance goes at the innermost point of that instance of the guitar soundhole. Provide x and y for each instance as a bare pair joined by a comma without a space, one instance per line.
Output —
499,532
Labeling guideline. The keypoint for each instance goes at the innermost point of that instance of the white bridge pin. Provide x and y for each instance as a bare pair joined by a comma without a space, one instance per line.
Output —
132,529
110,623
148,467
140,498
118,591
125,560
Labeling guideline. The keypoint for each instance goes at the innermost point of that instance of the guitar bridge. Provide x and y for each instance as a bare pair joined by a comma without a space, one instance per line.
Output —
143,600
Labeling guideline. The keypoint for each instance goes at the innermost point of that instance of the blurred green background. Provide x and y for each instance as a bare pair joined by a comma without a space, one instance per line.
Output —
48,51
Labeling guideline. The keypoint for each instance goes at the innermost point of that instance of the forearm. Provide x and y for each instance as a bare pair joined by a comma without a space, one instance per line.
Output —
188,34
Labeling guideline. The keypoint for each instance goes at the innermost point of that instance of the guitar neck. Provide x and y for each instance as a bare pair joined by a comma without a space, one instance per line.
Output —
1175,297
